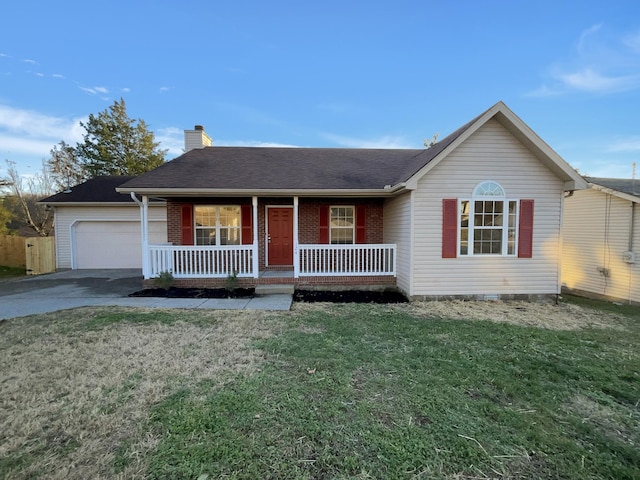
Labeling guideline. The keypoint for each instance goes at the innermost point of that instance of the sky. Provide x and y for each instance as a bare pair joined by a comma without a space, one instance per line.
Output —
361,74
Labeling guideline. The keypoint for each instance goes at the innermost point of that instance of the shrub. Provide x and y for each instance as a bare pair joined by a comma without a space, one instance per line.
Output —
164,280
232,282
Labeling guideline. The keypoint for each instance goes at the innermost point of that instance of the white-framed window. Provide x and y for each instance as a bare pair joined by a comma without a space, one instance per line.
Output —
217,224
342,225
488,222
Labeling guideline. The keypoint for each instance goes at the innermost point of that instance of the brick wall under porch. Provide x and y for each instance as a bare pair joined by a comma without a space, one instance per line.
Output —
310,283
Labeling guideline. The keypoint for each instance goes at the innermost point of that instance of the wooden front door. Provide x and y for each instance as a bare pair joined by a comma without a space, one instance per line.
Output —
280,236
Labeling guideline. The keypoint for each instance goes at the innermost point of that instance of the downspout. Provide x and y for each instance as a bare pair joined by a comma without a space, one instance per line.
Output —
630,245
144,227
631,226
560,246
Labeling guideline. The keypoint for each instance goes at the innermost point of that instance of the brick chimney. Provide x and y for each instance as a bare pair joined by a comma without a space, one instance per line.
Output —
196,138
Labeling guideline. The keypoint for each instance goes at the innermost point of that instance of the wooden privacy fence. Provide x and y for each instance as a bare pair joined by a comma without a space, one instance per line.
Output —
40,255
12,251
35,254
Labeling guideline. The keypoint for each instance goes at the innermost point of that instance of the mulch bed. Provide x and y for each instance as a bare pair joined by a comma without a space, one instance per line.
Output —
349,296
181,292
308,296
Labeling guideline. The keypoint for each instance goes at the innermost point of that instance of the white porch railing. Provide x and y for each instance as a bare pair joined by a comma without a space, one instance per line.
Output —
185,261
347,260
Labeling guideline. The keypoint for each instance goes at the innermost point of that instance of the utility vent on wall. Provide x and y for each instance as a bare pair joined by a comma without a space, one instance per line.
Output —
629,257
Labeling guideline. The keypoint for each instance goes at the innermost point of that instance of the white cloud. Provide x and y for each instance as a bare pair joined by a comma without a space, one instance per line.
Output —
172,139
632,42
589,80
94,90
630,144
58,75
603,63
582,45
254,143
28,60
381,142
164,89
24,145
28,133
126,90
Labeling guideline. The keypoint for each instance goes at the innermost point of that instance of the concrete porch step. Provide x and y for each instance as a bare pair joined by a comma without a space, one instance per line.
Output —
270,289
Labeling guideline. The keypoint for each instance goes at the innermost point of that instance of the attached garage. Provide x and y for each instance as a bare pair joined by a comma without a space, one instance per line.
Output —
97,227
112,244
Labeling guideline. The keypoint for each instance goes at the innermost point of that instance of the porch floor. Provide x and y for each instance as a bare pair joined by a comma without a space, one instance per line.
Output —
282,274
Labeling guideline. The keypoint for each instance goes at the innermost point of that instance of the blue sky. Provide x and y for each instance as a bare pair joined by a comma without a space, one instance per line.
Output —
324,74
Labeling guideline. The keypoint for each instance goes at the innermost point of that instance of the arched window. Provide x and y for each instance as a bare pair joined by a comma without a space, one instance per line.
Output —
488,222
488,189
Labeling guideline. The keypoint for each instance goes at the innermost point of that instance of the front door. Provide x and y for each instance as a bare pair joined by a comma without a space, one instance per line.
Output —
280,236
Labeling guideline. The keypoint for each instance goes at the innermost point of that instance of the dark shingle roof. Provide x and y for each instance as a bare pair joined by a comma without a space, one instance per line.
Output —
280,168
97,190
256,168
624,185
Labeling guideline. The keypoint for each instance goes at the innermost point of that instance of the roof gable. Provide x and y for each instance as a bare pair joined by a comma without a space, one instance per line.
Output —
521,131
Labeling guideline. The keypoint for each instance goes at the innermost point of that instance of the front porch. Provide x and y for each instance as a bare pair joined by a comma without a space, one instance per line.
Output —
312,241
313,265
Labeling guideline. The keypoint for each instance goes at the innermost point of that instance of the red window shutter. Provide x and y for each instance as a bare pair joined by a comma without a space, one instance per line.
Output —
246,219
323,224
187,225
361,224
525,230
449,228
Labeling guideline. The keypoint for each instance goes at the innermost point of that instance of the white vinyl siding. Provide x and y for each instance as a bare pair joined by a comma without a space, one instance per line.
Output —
595,236
67,217
397,230
491,153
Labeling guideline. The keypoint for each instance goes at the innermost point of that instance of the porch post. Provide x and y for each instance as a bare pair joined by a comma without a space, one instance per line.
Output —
146,271
256,264
296,255
144,230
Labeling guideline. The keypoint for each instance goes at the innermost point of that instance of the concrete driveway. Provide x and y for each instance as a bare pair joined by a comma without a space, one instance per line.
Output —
79,288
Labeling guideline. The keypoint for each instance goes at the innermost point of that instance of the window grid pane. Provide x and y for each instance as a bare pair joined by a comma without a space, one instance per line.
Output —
342,225
464,227
217,225
512,231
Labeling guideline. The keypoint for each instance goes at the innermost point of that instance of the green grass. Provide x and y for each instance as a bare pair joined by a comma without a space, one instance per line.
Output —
11,272
364,391
346,391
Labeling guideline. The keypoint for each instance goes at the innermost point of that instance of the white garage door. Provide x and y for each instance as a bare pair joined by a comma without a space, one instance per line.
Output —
113,244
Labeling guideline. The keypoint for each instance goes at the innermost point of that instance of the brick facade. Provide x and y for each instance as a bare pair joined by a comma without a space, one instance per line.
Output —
308,233
362,283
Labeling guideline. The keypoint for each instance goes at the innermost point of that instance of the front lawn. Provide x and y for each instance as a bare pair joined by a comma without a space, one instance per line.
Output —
443,390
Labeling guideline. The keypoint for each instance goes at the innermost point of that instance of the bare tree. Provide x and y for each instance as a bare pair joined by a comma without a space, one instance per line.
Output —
65,167
25,192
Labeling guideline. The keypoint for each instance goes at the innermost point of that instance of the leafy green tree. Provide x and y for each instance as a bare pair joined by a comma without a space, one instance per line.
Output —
114,144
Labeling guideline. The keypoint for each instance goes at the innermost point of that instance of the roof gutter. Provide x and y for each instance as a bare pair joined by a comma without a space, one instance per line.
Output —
388,191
